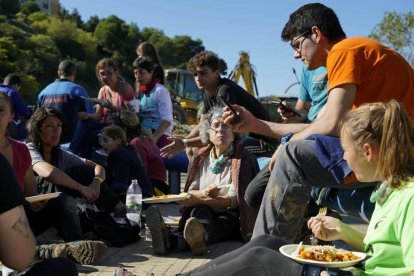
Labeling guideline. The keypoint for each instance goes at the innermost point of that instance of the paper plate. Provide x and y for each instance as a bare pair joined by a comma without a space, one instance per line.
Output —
41,197
287,250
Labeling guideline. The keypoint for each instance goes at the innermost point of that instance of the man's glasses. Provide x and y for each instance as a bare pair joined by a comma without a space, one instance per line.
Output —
296,44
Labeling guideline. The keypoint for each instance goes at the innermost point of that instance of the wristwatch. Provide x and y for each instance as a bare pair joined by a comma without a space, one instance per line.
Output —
286,138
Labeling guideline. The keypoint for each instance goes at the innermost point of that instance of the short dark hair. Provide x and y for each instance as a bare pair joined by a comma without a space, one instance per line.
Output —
314,14
145,63
66,68
204,58
12,79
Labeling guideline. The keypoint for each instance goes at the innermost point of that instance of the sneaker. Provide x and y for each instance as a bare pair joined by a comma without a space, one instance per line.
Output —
159,231
86,252
50,251
194,236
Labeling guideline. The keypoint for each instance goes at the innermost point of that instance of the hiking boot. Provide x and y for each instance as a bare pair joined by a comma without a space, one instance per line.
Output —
194,236
86,252
159,231
50,251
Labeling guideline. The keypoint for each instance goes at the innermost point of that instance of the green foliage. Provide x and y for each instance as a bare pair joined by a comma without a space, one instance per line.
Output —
33,43
29,7
9,7
396,30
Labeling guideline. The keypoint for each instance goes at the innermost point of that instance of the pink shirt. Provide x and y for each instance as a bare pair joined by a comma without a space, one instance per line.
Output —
150,155
21,161
118,100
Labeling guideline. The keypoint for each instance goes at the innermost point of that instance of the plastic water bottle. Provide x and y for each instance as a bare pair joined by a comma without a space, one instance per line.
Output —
134,203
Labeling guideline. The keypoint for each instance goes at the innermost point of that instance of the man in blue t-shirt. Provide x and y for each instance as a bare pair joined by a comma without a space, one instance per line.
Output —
66,96
312,97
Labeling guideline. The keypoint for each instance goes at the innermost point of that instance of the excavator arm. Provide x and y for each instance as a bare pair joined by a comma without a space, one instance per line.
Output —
245,70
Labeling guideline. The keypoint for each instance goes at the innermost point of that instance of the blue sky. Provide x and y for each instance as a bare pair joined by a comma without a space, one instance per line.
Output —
228,27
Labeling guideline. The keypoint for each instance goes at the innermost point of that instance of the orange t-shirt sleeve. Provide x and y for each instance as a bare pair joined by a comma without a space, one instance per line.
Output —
343,68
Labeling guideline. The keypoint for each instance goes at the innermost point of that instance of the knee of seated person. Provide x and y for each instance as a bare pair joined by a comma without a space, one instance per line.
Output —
253,199
258,254
200,209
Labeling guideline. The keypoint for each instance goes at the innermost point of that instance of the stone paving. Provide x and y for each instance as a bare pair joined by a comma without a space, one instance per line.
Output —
140,259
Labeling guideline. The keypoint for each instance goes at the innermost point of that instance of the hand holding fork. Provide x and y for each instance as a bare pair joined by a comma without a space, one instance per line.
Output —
322,212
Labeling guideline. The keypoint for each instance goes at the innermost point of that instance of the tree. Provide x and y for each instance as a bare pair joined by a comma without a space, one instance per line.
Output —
91,24
29,7
184,49
396,30
9,7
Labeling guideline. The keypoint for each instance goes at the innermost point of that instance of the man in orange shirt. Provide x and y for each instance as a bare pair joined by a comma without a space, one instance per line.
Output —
360,70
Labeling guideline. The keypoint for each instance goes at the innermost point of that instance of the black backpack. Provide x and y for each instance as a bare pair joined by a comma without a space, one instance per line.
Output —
107,229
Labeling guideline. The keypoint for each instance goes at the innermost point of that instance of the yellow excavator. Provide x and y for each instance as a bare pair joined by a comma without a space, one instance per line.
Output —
245,70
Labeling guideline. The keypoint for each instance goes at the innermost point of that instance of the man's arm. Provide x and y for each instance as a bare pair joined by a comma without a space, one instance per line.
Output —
177,145
339,102
17,243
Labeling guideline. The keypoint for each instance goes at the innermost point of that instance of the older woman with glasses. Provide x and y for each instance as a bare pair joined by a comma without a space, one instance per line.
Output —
216,210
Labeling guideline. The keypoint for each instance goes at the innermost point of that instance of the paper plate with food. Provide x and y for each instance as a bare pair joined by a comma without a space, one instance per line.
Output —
166,198
322,255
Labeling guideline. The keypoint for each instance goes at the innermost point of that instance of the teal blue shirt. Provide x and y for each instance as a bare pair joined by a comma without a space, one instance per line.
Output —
314,89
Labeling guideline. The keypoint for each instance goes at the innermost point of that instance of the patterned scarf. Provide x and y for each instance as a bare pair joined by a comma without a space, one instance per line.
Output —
217,165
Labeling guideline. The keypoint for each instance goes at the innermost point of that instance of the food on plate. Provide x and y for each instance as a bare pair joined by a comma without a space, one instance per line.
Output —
171,196
326,253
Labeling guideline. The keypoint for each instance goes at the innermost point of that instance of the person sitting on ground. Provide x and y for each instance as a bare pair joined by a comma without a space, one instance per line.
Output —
11,86
156,111
205,66
368,136
17,243
312,98
63,171
146,49
41,215
124,163
217,178
115,94
318,39
66,96
149,153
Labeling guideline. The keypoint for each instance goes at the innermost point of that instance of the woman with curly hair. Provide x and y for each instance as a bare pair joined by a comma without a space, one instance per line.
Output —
215,211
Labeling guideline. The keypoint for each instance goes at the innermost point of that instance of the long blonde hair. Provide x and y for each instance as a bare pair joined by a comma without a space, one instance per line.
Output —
387,126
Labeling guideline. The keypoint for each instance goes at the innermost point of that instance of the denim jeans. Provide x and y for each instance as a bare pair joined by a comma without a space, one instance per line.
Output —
296,170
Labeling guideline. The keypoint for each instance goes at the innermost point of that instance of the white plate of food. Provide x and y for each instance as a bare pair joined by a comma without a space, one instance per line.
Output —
41,197
166,198
323,255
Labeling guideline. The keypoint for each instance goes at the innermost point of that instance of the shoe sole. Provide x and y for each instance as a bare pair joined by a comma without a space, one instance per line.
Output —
158,230
194,236
87,252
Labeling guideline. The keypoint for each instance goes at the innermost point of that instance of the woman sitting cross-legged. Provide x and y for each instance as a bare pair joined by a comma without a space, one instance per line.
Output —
217,179
60,170
368,136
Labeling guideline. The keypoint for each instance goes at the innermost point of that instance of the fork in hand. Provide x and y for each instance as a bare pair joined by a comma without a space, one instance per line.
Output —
322,212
